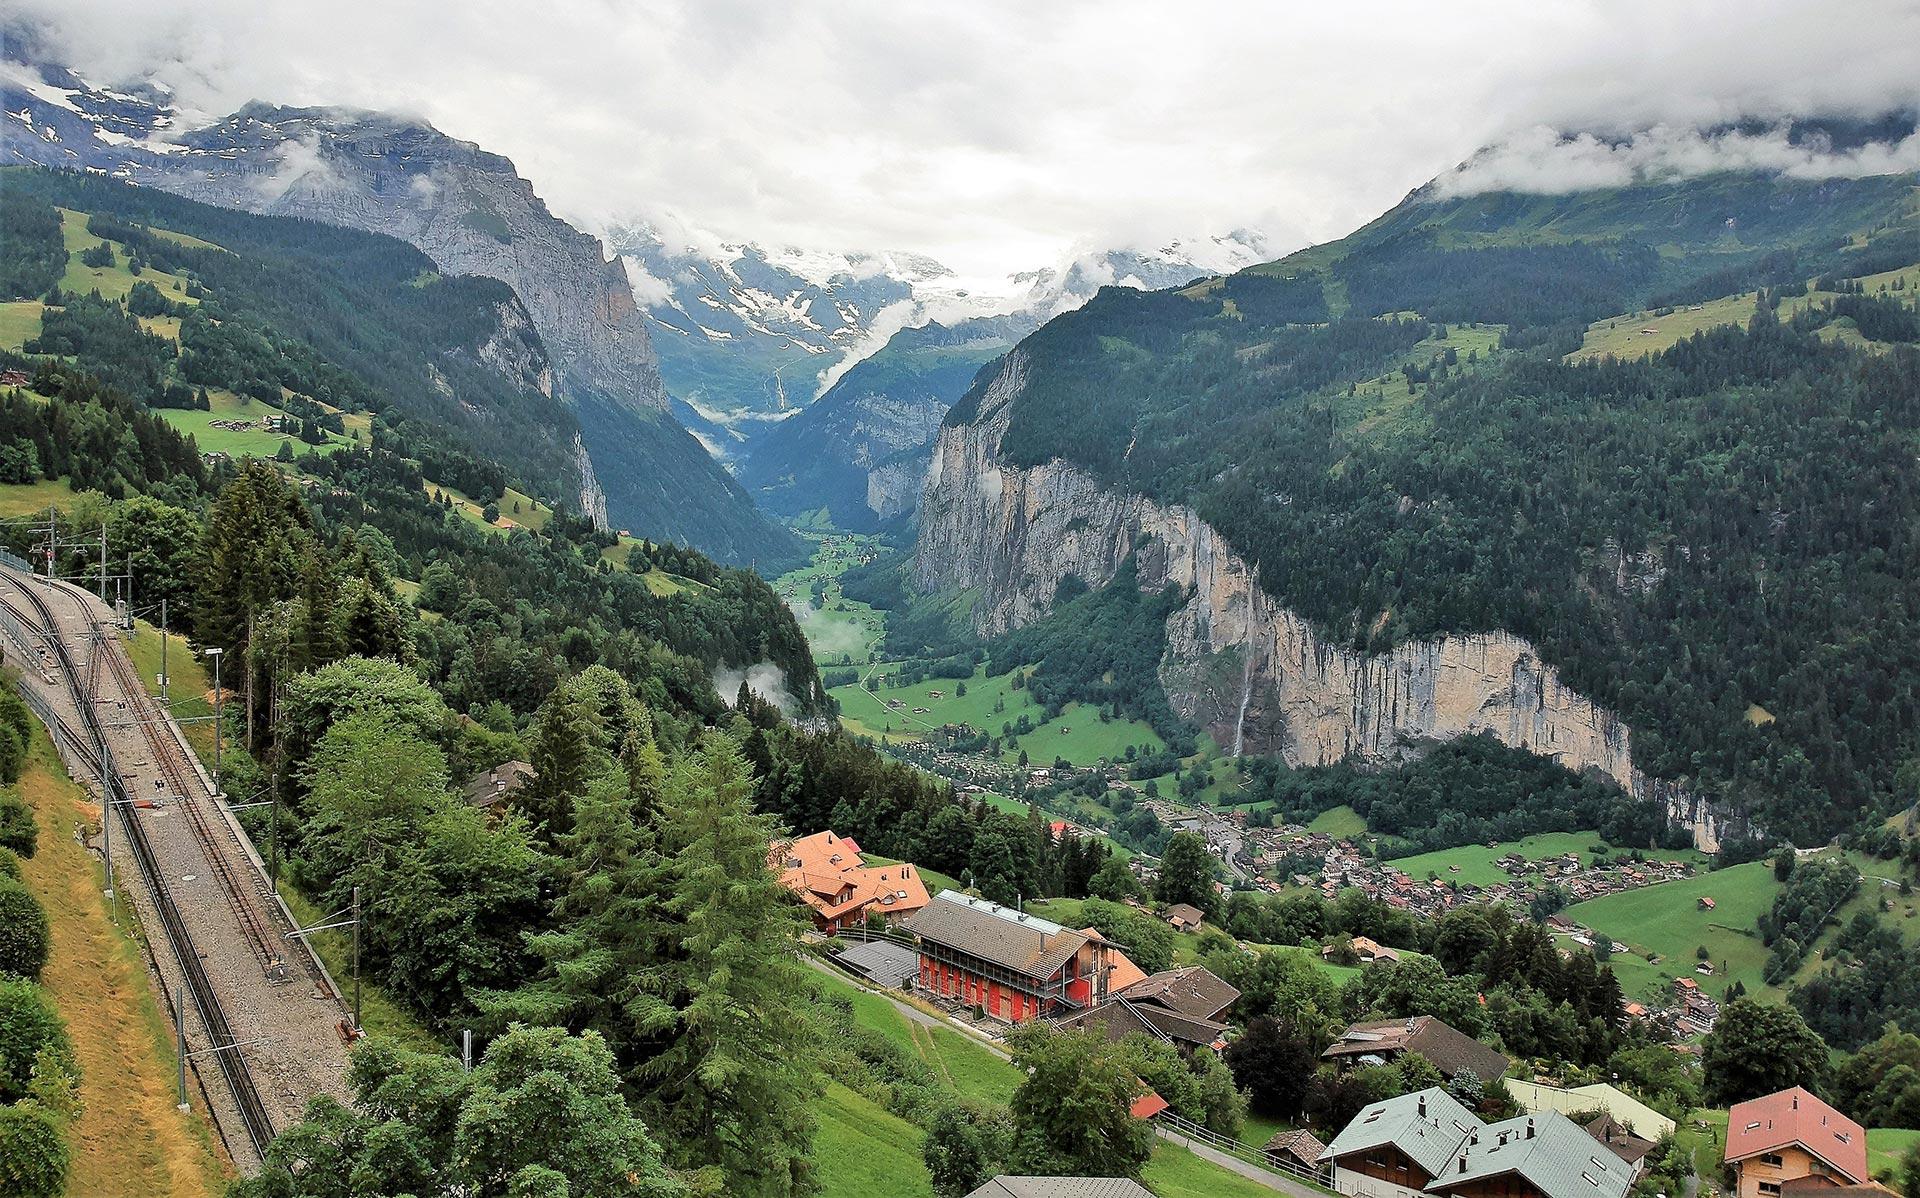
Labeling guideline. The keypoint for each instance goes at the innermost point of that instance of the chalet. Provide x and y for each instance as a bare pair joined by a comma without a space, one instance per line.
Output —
1705,903
1534,1156
1185,917
15,378
1399,1145
1621,1140
1011,965
1793,1139
1062,1187
1182,1007
501,782
1385,1040
832,878
1429,1143
1365,948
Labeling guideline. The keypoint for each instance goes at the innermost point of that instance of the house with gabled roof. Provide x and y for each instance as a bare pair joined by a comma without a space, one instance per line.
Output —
1792,1138
1382,1041
1534,1156
1400,1144
1012,965
831,876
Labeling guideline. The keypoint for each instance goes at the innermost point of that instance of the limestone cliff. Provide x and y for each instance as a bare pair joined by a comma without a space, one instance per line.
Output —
1255,675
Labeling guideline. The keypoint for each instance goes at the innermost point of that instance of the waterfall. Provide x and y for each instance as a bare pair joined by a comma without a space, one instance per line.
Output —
1246,698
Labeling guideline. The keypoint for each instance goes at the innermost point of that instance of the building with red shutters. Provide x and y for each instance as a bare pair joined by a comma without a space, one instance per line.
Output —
1011,965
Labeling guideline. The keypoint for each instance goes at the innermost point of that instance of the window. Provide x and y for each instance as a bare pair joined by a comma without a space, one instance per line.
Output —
1772,1158
1770,1187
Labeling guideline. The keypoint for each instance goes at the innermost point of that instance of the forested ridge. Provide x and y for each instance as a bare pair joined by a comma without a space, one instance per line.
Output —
1717,541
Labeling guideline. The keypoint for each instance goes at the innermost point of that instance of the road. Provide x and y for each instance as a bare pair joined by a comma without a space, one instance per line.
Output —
265,1026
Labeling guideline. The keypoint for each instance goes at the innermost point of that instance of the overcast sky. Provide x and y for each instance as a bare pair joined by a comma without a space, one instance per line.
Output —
995,136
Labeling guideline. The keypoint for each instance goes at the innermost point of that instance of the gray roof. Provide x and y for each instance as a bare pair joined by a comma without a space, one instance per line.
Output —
1195,991
1026,944
1120,1017
1062,1187
1429,1126
1549,1150
1452,1052
887,963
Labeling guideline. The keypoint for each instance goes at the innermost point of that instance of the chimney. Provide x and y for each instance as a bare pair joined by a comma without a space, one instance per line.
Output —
1423,1104
1529,1129
1463,1164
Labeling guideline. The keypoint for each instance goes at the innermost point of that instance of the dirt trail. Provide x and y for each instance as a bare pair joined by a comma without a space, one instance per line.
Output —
130,1140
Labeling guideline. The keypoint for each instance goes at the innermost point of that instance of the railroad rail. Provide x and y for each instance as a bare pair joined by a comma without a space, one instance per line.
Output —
225,1047
167,756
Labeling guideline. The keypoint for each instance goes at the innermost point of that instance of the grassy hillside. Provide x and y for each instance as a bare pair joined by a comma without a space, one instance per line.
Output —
129,1140
1476,862
1666,921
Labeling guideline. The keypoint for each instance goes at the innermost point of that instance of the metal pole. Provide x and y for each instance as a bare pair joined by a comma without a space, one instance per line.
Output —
165,705
466,1049
53,538
106,769
180,1039
356,958
219,702
103,561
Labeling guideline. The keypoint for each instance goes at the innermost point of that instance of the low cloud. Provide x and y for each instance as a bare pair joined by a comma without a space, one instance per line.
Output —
828,638
764,677
648,291
298,163
1544,161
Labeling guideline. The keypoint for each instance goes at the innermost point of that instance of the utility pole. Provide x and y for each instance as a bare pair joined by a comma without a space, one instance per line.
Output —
103,561
180,1039
53,538
466,1049
219,702
165,703
356,961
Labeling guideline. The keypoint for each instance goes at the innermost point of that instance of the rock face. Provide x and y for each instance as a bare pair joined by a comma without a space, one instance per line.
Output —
467,209
1255,675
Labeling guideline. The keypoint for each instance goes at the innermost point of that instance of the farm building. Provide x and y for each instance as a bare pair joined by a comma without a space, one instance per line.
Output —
1792,1137
1384,1040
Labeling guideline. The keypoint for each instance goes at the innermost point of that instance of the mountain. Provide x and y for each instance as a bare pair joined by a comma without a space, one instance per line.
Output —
860,450
1468,470
473,214
748,335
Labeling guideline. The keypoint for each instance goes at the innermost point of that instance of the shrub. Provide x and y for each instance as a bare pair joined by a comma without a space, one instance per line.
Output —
18,833
28,1026
24,935
33,1153
9,865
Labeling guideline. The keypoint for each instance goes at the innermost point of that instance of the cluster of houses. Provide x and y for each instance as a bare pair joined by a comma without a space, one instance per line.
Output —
997,963
1785,1145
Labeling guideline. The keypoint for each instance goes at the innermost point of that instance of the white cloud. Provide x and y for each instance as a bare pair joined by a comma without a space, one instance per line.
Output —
648,291
1544,161
998,134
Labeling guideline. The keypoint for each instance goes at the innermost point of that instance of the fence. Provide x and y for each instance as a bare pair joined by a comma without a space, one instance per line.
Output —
1188,1129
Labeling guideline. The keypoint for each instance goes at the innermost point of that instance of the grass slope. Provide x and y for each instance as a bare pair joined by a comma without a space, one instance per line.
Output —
130,1139
1476,861
1666,920
861,1150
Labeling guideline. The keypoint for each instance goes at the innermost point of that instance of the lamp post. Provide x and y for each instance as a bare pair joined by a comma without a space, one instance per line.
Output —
219,700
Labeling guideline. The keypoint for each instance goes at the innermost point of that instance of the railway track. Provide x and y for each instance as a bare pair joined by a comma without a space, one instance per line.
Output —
90,739
219,843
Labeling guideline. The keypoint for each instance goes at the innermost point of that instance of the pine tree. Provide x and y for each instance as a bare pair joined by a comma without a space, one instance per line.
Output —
733,1084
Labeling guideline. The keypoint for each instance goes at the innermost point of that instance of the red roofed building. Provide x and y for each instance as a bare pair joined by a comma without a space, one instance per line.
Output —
1790,1136
830,876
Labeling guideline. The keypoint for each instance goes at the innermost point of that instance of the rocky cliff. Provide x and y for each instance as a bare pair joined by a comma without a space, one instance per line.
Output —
1255,675
473,214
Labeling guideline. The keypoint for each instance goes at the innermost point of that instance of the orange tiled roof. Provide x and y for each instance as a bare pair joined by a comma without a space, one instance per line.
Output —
1797,1117
828,872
